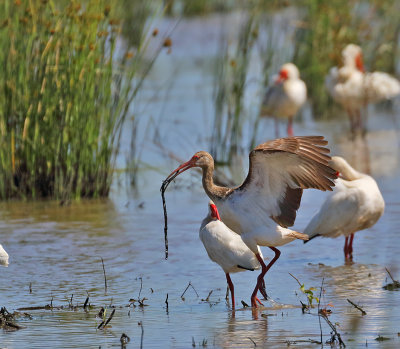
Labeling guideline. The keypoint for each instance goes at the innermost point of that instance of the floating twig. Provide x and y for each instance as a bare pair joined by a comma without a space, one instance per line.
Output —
189,285
363,312
336,334
141,285
110,317
124,340
255,344
208,297
7,320
381,338
104,324
391,286
319,302
141,337
105,277
302,341
163,188
86,303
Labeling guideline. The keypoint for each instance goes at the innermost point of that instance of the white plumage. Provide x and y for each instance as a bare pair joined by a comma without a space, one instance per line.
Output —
265,205
356,203
3,257
286,96
353,88
225,247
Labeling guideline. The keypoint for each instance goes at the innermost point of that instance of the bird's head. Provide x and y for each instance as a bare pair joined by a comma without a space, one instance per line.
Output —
340,165
213,211
352,56
200,159
288,71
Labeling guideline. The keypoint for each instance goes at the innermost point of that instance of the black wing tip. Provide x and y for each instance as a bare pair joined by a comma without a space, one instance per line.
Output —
251,269
311,237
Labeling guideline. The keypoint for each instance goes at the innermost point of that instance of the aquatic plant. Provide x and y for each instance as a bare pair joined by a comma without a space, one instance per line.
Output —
229,89
67,84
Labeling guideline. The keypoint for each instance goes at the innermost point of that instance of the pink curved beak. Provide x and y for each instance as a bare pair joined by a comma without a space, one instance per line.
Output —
182,168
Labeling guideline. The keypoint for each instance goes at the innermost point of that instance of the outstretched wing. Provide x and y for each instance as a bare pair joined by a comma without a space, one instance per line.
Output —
279,171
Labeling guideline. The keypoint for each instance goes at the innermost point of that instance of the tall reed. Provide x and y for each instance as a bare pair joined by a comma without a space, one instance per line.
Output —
66,87
229,89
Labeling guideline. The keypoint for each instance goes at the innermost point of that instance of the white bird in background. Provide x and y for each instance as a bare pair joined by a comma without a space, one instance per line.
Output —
353,88
227,248
3,257
285,97
279,170
355,204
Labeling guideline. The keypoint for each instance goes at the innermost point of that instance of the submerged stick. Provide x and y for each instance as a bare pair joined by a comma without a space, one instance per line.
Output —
105,277
363,312
163,188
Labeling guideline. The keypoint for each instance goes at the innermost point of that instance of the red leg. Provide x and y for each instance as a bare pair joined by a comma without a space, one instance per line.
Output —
264,269
262,290
346,248
290,127
259,301
351,246
230,284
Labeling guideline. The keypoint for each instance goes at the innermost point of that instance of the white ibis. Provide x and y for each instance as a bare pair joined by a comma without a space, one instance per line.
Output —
353,88
279,170
285,97
226,248
355,204
3,257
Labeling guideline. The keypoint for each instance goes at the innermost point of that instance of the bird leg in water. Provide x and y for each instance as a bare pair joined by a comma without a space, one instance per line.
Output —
350,247
230,284
263,290
264,269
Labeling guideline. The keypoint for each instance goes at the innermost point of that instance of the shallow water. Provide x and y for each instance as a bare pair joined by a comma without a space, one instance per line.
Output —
58,250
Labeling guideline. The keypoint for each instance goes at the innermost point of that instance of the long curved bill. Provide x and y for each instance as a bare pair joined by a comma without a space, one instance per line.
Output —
180,169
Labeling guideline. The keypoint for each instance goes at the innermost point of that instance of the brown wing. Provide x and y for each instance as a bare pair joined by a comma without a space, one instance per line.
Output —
279,171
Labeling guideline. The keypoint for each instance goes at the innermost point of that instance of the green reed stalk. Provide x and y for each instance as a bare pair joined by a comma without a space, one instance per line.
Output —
65,92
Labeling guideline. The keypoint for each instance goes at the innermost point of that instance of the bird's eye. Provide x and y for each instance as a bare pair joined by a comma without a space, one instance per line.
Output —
195,157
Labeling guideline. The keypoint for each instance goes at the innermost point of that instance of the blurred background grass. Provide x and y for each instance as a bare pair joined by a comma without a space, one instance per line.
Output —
71,70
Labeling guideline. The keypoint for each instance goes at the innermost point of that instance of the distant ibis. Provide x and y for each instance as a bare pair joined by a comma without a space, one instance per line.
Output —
285,97
353,88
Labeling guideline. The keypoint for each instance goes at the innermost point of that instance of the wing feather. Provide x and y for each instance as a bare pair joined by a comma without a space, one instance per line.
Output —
279,171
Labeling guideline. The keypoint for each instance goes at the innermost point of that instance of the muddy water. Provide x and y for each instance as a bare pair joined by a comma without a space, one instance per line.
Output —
58,250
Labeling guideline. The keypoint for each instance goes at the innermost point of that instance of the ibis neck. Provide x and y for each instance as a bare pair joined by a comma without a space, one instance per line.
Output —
213,191
350,173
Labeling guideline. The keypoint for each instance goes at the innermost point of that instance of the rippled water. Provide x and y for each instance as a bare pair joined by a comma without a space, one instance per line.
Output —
58,250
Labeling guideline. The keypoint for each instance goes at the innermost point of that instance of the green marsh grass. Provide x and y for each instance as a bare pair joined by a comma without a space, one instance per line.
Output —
67,83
